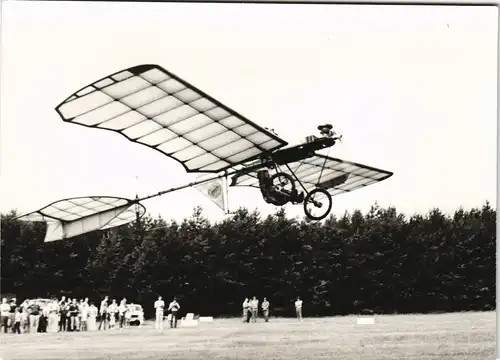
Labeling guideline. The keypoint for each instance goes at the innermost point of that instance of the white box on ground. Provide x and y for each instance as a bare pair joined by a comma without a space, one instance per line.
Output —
365,321
189,316
206,319
188,323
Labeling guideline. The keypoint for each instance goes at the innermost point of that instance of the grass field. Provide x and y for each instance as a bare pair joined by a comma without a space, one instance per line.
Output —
445,337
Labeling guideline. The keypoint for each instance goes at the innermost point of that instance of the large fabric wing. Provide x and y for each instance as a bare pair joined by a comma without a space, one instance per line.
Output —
151,106
335,175
72,217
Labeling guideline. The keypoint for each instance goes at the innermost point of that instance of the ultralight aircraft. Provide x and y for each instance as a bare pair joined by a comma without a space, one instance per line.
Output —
151,106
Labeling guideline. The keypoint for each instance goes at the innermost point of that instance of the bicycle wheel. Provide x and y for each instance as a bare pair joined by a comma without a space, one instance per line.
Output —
317,199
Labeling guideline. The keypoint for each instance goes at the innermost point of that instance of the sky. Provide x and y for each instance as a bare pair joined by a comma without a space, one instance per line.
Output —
411,89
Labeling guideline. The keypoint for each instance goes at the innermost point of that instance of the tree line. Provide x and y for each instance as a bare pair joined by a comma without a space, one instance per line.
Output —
381,261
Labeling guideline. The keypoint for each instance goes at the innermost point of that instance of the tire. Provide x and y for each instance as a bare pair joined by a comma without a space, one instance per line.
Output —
308,200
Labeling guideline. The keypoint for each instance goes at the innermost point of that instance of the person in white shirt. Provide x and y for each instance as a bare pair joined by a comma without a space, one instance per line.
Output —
173,307
52,308
16,328
79,317
25,319
298,309
84,316
4,314
122,309
112,311
159,310
128,316
246,304
91,322
265,309
254,308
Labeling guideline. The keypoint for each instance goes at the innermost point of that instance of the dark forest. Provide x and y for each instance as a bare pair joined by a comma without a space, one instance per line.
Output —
379,262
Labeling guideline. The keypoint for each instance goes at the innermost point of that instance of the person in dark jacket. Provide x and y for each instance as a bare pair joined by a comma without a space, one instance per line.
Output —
73,315
173,308
63,314
34,316
42,323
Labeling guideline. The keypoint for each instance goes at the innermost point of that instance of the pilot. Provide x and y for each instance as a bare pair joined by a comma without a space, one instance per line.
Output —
274,196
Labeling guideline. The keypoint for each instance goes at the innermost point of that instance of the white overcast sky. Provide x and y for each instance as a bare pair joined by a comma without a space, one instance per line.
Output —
412,89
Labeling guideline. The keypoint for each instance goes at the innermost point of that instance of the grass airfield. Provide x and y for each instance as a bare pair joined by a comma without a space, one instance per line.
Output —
456,336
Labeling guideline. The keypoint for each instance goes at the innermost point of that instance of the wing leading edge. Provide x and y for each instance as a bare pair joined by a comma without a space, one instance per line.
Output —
335,175
153,107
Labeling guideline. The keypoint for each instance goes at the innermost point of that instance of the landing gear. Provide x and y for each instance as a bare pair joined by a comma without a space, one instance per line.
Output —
317,199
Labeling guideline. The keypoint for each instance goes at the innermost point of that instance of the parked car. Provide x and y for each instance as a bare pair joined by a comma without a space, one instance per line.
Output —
136,314
39,301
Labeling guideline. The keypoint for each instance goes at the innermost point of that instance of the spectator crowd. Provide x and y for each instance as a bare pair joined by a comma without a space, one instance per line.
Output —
55,315
62,315
251,309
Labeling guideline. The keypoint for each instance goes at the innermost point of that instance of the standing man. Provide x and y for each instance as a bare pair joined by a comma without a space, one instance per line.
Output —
254,306
25,319
73,316
84,315
128,316
4,314
265,309
34,317
13,307
16,328
44,317
159,310
79,322
298,309
63,314
103,312
249,311
91,322
173,307
122,309
52,316
112,311
246,304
